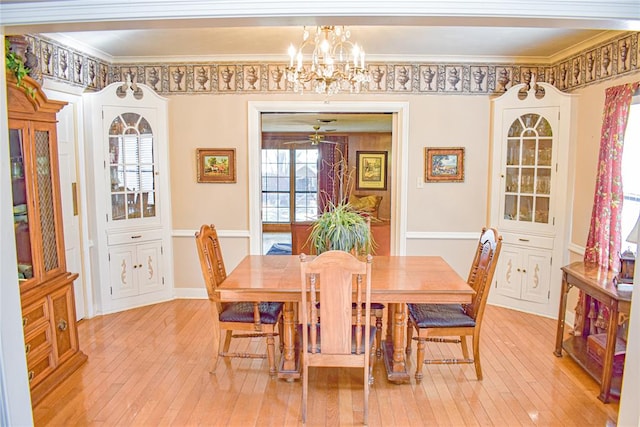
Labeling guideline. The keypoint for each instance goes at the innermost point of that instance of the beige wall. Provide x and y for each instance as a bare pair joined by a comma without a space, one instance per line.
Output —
218,121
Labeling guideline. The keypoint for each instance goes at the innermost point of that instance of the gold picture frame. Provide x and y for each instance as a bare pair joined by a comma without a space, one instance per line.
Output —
216,165
371,170
444,164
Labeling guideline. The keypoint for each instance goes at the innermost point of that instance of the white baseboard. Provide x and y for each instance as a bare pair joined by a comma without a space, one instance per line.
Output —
190,293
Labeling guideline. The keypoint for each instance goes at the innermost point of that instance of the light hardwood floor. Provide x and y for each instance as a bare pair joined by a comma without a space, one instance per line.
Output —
149,366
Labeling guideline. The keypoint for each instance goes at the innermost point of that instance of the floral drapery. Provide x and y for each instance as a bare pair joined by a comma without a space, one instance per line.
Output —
604,239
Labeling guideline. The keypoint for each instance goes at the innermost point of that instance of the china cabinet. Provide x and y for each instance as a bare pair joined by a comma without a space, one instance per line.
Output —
46,287
126,124
532,139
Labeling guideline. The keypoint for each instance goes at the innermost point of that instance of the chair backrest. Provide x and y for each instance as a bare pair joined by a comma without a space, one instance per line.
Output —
340,279
211,261
482,270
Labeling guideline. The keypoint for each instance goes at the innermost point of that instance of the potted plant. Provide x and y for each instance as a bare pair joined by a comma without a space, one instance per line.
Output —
342,228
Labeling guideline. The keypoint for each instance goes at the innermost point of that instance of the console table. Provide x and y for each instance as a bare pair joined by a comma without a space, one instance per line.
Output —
599,284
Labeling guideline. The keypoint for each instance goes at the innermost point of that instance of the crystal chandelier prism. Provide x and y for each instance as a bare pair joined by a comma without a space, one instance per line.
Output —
337,64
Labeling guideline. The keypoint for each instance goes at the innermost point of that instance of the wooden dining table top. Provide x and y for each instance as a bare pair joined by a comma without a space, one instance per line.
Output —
394,279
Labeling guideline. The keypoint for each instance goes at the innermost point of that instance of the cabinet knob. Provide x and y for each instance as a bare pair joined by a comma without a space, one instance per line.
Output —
524,271
62,325
501,175
517,269
27,348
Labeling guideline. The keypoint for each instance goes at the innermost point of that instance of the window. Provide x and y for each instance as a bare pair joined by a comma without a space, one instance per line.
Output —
281,197
631,174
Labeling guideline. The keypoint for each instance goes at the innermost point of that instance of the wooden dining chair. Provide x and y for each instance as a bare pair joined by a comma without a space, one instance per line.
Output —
332,337
440,322
257,319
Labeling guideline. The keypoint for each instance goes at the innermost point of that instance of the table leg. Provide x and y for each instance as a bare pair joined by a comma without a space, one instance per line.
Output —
561,315
393,348
607,364
289,366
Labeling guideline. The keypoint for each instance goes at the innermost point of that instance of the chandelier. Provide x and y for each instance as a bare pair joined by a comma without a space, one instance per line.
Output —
336,65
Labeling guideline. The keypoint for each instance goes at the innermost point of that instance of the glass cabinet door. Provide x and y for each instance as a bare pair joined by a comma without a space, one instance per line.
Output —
527,183
131,168
20,209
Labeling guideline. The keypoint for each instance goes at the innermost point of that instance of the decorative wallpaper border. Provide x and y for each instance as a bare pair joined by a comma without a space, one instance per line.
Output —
616,57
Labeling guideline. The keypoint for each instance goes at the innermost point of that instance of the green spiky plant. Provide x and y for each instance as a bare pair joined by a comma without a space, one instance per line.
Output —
341,227
15,64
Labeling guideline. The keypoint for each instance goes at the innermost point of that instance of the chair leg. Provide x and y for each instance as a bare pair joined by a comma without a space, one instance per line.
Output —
476,356
409,336
378,335
216,350
366,399
271,355
227,341
281,334
420,358
305,389
465,349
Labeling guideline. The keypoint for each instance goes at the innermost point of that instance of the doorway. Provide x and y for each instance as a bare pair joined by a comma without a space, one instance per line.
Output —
289,117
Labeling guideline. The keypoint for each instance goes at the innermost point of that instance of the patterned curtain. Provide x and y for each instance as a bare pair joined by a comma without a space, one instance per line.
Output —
603,242
331,172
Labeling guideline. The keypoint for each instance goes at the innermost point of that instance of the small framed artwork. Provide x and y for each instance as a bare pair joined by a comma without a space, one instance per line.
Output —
216,164
444,164
371,170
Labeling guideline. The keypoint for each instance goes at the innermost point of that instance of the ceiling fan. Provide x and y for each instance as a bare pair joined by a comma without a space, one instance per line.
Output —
315,138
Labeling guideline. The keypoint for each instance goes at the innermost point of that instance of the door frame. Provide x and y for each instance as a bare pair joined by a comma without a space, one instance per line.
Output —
399,148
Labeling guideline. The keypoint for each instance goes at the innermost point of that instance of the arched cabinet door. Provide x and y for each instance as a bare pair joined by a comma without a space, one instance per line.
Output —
533,135
127,124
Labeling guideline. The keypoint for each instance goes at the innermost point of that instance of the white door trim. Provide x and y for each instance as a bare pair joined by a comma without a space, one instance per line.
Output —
399,147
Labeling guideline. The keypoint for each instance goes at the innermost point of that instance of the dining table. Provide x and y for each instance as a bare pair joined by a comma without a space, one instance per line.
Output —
395,281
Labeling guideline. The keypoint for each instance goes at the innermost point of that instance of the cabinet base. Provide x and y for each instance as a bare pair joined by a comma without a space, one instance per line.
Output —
57,377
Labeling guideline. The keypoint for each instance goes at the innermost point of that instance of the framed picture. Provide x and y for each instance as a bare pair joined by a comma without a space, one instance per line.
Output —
444,164
371,170
216,164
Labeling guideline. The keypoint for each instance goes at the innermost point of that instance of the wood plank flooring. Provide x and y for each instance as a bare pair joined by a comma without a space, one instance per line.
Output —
150,366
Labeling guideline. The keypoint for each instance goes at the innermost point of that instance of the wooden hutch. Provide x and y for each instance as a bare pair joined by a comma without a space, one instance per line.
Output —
46,287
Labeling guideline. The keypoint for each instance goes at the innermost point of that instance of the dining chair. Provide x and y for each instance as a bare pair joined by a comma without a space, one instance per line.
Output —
439,322
257,319
332,337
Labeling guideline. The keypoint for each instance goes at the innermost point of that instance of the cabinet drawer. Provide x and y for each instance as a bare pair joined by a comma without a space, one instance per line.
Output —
38,369
134,237
528,240
38,341
34,315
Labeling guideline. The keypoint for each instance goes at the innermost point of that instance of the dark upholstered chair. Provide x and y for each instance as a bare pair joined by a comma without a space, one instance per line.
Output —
257,319
331,337
436,322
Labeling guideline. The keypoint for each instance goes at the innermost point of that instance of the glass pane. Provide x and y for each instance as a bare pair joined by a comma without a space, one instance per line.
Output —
515,129
530,120
117,207
542,210
529,151
543,181
513,152
544,128
146,149
117,127
131,119
146,178
45,198
20,214
526,180
117,178
114,150
132,178
148,204
133,206
511,181
544,152
510,207
144,127
526,208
